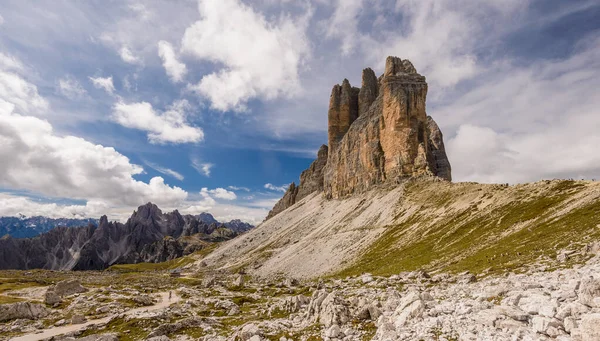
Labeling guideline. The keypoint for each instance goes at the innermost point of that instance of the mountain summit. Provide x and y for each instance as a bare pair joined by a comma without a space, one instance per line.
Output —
378,134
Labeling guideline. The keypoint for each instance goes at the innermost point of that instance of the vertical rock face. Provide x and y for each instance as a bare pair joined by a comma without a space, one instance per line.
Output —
311,180
343,110
393,138
377,134
368,91
403,134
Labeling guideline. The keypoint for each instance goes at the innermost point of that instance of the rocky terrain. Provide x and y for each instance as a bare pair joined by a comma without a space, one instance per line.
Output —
27,227
148,236
539,303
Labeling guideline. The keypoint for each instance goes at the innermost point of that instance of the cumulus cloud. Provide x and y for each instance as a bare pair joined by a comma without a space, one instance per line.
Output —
38,160
12,206
219,193
69,87
35,158
203,168
175,69
268,67
170,126
272,187
128,57
529,123
164,170
105,83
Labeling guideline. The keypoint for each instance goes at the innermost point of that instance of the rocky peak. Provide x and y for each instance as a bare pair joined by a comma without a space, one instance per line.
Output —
103,221
343,110
368,91
392,139
146,212
395,66
377,134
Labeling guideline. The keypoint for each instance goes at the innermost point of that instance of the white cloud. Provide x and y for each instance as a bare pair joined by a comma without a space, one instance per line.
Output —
170,126
36,159
10,63
12,206
343,23
528,123
142,11
236,188
15,91
69,87
105,83
219,193
128,56
164,170
201,167
272,187
175,69
268,67
1,20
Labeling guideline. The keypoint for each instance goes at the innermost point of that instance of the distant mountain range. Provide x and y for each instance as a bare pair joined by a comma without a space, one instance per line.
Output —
27,227
149,235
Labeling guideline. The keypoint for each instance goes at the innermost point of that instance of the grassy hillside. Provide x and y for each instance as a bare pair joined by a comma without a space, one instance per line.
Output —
163,266
484,228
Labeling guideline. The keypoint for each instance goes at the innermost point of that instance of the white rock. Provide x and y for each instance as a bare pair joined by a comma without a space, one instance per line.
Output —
333,331
590,327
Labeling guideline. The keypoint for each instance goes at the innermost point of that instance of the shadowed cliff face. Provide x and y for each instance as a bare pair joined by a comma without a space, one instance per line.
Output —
148,236
377,134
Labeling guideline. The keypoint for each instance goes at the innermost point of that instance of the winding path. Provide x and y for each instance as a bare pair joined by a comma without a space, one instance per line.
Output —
55,331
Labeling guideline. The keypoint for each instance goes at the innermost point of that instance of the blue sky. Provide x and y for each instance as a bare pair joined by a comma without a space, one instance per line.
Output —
218,105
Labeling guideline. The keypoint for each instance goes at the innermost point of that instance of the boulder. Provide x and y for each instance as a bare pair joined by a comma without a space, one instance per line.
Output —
590,327
51,298
589,289
22,310
68,287
78,319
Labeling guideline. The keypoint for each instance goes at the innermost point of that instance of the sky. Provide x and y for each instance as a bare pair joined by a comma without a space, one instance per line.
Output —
216,106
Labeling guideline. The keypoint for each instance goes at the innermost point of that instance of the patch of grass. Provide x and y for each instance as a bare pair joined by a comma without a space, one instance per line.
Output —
494,240
9,299
164,266
127,330
11,284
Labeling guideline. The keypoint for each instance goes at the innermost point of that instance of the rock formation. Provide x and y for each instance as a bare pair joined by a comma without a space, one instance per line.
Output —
377,134
392,138
311,180
148,236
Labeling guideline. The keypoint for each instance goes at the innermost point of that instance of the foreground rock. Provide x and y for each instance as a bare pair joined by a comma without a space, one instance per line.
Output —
22,310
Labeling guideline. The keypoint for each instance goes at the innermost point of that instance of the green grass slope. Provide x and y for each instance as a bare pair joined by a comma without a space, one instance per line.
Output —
484,228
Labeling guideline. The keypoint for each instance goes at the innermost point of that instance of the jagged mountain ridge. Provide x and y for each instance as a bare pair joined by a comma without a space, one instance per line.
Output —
149,235
26,227
377,134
